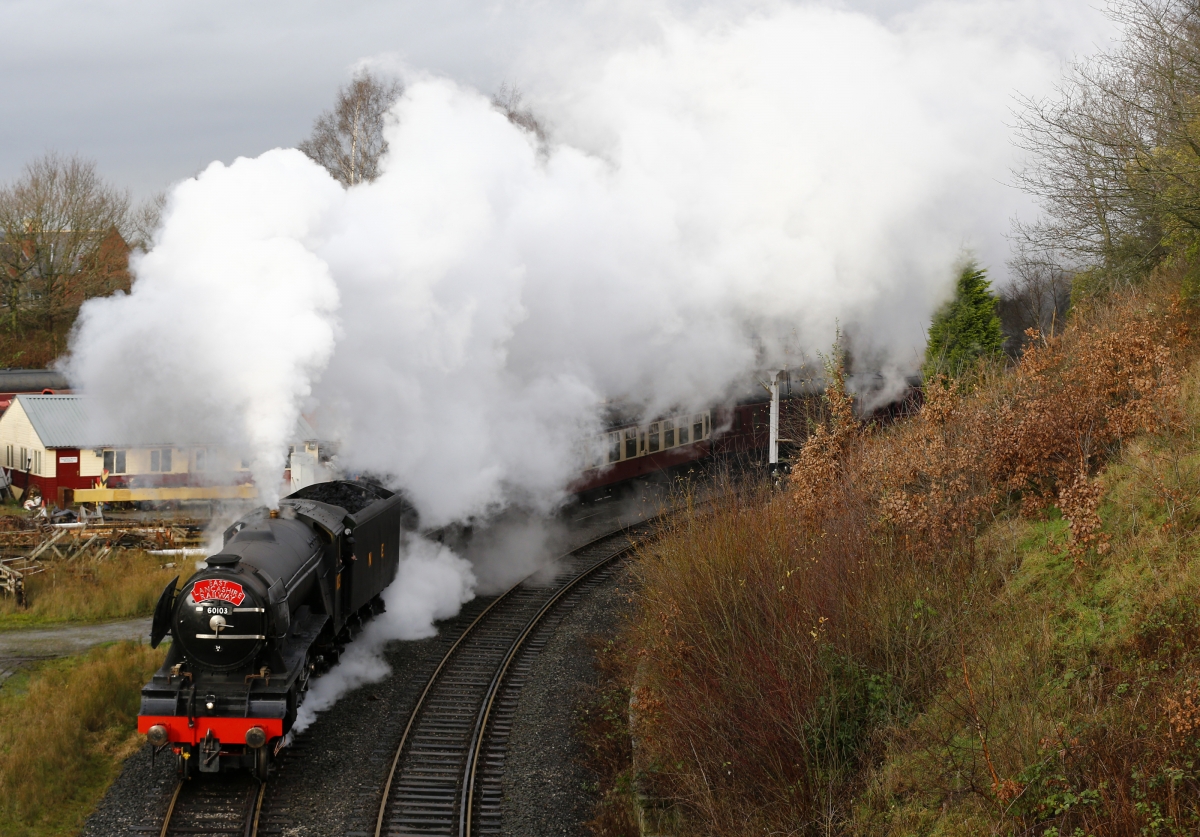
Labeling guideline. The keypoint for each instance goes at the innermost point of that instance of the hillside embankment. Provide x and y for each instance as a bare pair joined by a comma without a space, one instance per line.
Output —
983,620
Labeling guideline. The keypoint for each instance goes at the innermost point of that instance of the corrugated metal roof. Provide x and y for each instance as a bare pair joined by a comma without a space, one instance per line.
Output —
61,421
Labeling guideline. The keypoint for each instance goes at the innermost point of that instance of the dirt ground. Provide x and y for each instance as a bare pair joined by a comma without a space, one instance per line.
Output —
20,647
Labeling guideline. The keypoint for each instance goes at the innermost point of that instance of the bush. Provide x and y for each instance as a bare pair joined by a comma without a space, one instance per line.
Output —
789,643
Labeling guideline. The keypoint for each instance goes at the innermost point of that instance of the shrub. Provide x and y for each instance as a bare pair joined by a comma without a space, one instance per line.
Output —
785,638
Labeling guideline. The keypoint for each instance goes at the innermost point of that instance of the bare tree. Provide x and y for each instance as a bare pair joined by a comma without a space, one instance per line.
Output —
1038,298
1116,153
508,100
61,240
348,140
145,220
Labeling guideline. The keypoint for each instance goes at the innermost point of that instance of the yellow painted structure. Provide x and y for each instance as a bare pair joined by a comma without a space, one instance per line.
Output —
180,492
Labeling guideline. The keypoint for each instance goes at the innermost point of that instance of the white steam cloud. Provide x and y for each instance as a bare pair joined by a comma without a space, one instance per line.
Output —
431,584
715,199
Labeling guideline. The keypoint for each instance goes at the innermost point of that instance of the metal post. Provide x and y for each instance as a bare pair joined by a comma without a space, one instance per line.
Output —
773,455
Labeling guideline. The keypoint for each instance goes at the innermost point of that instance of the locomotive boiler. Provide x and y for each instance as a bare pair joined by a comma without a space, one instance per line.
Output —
274,607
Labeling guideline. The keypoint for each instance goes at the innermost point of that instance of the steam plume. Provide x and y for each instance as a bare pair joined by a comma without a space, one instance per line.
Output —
713,200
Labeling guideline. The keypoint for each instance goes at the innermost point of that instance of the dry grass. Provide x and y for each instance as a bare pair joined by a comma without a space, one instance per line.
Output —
64,731
123,586
908,639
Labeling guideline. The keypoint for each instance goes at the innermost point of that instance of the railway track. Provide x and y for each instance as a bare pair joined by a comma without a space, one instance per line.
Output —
445,778
223,805
445,774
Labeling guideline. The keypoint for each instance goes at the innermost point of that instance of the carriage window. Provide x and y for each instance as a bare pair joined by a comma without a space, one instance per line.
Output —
683,431
631,443
668,434
707,429
614,447
698,428
654,437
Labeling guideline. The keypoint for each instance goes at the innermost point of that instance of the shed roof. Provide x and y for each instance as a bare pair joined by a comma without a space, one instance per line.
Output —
61,421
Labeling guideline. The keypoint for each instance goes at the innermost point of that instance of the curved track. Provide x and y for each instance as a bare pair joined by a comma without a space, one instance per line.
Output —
445,777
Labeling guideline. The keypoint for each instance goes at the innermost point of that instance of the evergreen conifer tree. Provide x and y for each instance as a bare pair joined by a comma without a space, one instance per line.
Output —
966,328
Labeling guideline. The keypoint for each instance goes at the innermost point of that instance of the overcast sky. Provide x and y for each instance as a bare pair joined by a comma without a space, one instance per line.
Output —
153,91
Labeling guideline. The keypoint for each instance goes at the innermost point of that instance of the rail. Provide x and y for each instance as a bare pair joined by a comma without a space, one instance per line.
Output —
432,785
209,808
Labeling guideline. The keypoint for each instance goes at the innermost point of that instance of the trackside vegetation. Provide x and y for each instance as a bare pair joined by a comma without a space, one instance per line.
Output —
981,620
65,728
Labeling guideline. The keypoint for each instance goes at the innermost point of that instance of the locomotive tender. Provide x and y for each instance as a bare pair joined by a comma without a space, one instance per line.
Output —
275,606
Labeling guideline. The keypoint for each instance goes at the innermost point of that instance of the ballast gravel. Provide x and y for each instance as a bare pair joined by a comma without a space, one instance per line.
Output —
547,787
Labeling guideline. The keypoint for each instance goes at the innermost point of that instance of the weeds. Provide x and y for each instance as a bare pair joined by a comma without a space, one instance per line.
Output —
604,730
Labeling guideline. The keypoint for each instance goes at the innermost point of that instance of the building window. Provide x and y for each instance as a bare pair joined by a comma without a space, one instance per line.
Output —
160,460
37,462
8,456
114,461
24,466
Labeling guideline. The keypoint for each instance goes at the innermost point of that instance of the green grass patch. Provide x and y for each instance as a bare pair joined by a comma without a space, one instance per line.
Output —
65,728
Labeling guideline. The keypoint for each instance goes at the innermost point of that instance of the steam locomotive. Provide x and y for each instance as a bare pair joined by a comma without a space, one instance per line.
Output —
289,588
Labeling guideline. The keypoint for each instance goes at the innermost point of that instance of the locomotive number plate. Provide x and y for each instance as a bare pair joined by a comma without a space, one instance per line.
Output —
218,589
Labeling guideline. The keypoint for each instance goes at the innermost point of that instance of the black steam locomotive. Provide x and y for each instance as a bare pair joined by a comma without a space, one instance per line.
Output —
290,587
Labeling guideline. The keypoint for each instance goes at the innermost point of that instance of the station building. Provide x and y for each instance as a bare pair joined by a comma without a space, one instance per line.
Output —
47,441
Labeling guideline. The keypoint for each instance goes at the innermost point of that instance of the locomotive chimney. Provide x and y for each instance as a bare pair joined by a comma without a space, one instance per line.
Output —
274,513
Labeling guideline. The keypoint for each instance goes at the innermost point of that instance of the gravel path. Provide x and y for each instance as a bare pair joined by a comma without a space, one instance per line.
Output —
29,644
545,783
